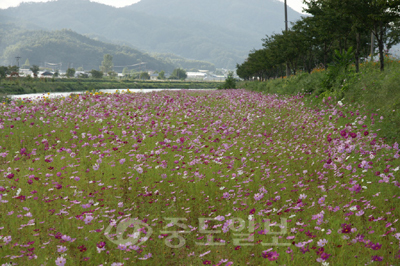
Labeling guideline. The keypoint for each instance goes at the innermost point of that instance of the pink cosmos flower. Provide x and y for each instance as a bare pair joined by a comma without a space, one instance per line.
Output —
88,219
61,249
325,256
359,213
322,242
60,261
271,256
321,200
377,258
258,196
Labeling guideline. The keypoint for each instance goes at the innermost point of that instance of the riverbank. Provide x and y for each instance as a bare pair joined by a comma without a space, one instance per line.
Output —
376,92
27,85
51,95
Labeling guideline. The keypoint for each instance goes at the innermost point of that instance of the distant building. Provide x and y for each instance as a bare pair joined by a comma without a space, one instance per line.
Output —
196,75
153,76
46,74
81,74
25,73
215,78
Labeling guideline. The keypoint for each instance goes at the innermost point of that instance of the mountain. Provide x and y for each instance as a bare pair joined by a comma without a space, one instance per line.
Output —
256,17
218,31
68,47
184,63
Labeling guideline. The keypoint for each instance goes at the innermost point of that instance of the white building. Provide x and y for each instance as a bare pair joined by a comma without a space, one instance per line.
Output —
196,75
153,76
25,73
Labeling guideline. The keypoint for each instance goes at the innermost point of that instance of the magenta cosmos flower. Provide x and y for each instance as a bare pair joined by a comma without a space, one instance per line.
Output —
271,256
346,228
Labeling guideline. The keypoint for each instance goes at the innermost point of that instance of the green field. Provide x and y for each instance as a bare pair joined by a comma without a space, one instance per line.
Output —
29,85
227,177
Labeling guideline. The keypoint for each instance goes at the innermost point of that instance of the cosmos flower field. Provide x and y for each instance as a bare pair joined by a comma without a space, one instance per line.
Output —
195,178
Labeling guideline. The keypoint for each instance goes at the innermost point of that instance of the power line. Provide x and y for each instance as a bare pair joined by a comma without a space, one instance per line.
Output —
143,63
54,66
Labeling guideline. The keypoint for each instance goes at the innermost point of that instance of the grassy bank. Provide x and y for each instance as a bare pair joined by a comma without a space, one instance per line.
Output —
372,90
28,85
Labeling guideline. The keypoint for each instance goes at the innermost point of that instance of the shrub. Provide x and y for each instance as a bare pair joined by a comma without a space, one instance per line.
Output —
230,82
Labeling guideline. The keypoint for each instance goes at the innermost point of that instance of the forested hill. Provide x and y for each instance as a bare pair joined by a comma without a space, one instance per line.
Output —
68,47
218,31
184,63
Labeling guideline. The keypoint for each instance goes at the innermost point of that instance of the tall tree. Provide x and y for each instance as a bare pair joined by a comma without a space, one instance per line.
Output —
393,35
161,75
178,73
35,70
144,75
3,72
308,44
70,72
107,64
125,72
373,15
329,26
96,74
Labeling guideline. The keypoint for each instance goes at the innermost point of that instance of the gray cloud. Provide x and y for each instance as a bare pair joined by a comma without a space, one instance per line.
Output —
117,3
295,4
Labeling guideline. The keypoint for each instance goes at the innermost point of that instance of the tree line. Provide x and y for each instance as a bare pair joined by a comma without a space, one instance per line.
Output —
106,68
334,25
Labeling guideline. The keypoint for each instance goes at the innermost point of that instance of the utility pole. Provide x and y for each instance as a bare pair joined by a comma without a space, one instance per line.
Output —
372,46
286,18
286,29
18,57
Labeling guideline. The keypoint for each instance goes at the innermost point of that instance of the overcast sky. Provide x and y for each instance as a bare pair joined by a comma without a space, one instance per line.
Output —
116,3
295,4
